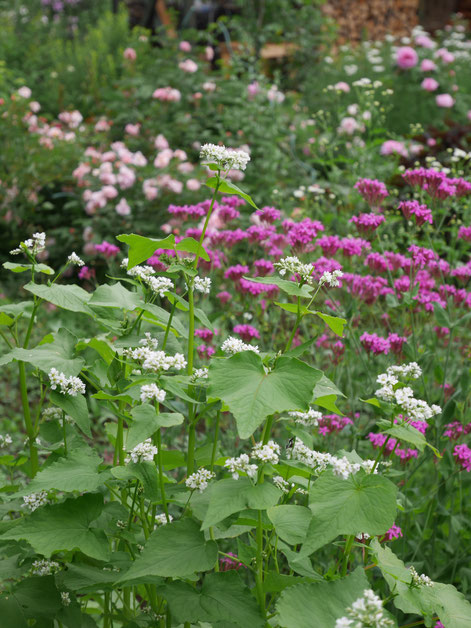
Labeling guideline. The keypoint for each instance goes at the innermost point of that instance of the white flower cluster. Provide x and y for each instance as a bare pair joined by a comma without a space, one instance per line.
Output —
149,341
155,360
294,266
68,385
241,464
331,278
52,414
200,374
65,598
161,520
267,453
43,567
319,461
202,284
199,480
5,440
149,392
225,158
35,500
235,345
420,581
33,245
75,260
366,611
415,409
285,486
310,418
159,285
143,452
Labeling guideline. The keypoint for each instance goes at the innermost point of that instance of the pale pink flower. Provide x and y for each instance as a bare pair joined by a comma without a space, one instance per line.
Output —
24,92
163,158
429,84
132,129
209,86
122,208
209,53
342,87
193,185
444,100
348,126
406,57
185,46
188,66
160,142
253,89
34,106
428,65
130,54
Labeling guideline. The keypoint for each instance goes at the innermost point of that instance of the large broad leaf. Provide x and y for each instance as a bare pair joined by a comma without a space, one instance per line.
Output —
407,433
144,471
452,608
77,472
289,287
146,422
115,296
229,496
64,527
227,187
252,393
21,268
75,407
175,550
335,323
141,248
223,598
361,503
38,597
291,522
325,395
309,605
67,297
58,354
11,613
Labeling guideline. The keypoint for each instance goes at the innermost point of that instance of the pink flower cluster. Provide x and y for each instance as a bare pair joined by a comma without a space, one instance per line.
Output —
421,213
246,332
455,430
376,345
333,423
436,183
462,454
372,190
367,223
394,532
378,440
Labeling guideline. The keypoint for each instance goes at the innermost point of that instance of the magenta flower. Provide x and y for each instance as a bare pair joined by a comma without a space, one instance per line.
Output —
367,223
393,533
108,250
406,57
372,190
246,332
462,455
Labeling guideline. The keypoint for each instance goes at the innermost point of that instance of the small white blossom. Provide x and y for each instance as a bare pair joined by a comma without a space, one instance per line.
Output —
200,374
235,345
35,500
225,158
420,581
75,260
68,385
203,284
149,341
51,414
199,480
143,452
5,440
267,453
365,611
294,266
310,418
161,520
281,483
150,392
331,278
43,567
33,245
159,285
241,464
65,598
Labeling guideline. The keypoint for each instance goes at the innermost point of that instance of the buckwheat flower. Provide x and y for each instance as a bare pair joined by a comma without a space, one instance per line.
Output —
35,500
43,567
159,285
225,158
33,245
342,467
331,278
5,440
203,284
420,581
199,480
68,385
294,266
267,453
149,341
365,611
281,483
75,260
161,520
199,374
65,598
151,392
235,345
143,452
310,418
241,464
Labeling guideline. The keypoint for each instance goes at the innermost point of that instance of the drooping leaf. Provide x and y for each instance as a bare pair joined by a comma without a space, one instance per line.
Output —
64,527
288,386
116,296
335,323
145,472
177,549
21,268
223,598
289,287
146,422
141,248
361,503
320,604
227,187
11,613
67,297
76,472
38,597
75,407
190,245
229,496
291,522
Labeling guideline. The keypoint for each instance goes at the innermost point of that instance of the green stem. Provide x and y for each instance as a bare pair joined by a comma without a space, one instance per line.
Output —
205,226
259,572
191,449
346,554
215,442
296,325
161,476
169,323
378,457
119,453
33,452
64,432
145,523
191,329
